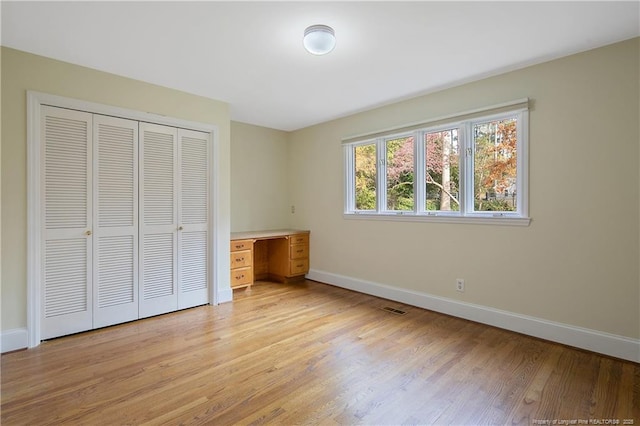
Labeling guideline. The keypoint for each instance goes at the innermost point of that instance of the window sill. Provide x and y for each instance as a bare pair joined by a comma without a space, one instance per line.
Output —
412,217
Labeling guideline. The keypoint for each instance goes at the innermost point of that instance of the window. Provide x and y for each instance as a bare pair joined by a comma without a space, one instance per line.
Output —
399,173
366,176
495,165
468,168
442,164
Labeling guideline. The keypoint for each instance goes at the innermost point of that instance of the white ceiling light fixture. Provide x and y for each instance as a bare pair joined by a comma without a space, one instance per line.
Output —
319,39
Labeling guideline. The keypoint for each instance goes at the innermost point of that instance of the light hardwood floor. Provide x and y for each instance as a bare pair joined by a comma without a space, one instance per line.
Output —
310,353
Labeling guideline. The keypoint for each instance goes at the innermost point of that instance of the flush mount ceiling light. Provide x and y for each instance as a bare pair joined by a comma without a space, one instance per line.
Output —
319,39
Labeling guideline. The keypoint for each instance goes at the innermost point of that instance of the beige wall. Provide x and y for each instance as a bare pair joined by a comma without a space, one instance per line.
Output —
259,190
577,263
21,72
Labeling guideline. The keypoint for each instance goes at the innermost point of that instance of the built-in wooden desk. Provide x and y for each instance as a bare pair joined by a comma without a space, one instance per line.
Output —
280,255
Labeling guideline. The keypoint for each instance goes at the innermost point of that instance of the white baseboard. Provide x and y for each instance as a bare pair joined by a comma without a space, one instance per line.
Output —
12,340
592,340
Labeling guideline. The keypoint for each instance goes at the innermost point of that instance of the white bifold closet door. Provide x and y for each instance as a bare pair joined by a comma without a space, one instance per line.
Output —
173,219
90,264
158,219
125,231
67,291
115,210
193,204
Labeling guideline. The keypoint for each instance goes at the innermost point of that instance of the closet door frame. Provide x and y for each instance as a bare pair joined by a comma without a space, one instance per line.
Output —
218,236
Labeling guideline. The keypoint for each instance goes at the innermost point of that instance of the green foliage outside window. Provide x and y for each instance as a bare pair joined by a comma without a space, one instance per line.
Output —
365,159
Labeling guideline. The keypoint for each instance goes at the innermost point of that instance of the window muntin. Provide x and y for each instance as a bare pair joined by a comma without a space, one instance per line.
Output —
474,170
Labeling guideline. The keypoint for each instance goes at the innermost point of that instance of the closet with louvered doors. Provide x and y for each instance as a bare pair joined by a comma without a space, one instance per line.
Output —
124,220
173,219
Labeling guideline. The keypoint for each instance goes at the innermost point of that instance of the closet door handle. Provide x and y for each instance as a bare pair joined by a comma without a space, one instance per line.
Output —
87,233
180,228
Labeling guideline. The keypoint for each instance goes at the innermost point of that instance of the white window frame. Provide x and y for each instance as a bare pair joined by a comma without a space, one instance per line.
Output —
350,164
464,123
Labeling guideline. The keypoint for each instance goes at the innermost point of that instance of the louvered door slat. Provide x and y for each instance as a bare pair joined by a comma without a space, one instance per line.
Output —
159,164
115,276
193,271
158,266
193,167
116,186
65,277
116,230
66,147
66,138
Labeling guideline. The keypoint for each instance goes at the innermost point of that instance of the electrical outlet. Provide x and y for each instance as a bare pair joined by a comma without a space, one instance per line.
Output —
460,285
293,209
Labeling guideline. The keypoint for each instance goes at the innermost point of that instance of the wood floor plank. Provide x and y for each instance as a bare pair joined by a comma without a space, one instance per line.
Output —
311,353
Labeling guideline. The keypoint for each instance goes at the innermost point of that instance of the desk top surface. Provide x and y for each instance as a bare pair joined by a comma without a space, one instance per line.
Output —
272,233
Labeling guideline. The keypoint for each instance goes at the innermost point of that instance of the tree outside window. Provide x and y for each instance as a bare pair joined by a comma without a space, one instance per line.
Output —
442,170
495,161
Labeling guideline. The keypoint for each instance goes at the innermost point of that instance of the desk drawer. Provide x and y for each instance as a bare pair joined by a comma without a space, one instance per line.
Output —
239,245
299,267
241,276
299,239
240,259
299,251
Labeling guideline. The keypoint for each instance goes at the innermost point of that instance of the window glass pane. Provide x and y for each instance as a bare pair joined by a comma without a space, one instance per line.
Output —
400,173
442,170
365,176
494,167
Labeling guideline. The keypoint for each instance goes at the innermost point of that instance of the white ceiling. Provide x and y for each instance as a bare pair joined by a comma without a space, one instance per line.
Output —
250,54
